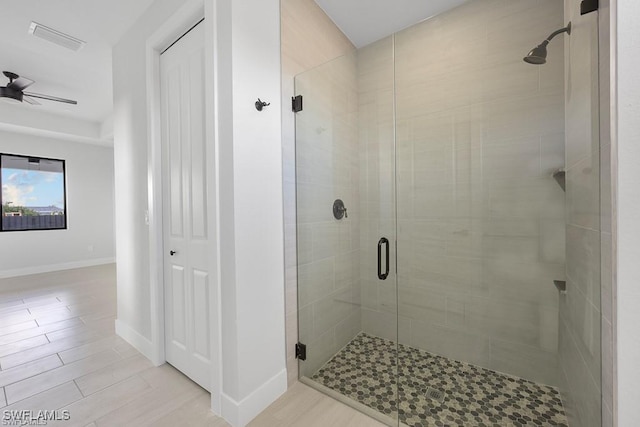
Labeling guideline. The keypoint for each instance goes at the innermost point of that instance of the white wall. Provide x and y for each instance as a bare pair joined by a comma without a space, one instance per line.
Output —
628,207
131,160
89,174
251,205
246,46
31,121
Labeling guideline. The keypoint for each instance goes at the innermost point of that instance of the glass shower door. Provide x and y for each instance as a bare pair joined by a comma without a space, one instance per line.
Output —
481,215
345,181
440,150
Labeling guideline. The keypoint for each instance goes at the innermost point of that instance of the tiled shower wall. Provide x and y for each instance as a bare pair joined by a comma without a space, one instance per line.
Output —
309,38
475,326
480,217
608,298
327,160
580,309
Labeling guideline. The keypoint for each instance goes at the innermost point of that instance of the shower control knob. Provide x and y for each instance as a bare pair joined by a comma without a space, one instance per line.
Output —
339,210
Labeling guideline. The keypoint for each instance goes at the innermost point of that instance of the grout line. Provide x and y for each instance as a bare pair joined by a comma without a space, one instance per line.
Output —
19,341
143,379
74,346
78,387
68,404
57,385
39,393
30,375
117,352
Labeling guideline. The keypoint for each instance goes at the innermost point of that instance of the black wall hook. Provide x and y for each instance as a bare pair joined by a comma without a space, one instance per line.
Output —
261,104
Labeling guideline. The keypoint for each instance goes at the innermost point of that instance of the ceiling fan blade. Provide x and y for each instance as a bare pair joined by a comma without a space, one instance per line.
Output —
21,83
51,98
31,101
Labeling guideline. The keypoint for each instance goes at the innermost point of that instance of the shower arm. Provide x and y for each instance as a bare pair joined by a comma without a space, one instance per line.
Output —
566,29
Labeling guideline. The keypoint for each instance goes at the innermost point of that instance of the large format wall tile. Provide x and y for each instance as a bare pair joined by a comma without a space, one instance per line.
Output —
327,165
581,310
481,227
309,39
456,144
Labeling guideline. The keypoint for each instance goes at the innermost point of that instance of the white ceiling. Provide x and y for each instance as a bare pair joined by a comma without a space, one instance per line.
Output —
365,21
85,75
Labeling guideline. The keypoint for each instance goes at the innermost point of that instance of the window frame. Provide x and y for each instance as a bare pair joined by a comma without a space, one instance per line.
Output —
64,193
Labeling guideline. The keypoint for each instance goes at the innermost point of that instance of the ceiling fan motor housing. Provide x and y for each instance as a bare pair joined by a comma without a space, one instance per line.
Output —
7,92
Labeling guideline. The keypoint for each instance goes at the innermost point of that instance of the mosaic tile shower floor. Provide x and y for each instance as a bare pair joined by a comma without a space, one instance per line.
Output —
364,371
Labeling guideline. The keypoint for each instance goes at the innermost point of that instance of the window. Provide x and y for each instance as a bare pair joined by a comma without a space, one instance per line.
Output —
33,193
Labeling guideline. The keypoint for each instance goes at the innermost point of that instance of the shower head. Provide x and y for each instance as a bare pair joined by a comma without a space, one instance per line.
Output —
538,55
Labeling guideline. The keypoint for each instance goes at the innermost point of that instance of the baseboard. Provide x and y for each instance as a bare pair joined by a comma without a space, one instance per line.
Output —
140,343
55,267
239,414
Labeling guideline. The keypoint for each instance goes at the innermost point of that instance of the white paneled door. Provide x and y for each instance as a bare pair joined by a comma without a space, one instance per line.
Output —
186,237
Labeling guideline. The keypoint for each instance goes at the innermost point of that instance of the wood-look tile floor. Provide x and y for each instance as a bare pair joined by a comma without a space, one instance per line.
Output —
59,351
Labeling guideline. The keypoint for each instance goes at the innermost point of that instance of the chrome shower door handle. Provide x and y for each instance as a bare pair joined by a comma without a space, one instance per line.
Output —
383,241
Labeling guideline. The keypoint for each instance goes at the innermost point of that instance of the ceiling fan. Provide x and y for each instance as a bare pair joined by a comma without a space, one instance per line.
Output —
15,91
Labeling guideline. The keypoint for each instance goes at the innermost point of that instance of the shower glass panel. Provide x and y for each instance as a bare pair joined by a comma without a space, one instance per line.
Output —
481,219
346,230
477,174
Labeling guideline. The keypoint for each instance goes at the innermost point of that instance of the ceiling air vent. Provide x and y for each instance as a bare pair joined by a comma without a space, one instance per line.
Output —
54,36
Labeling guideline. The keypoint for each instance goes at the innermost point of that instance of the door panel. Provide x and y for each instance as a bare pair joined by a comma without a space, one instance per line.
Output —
201,313
186,241
172,118
198,184
347,287
178,314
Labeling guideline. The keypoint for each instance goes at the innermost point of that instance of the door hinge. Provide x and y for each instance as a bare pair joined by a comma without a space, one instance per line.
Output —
301,351
296,103
588,6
